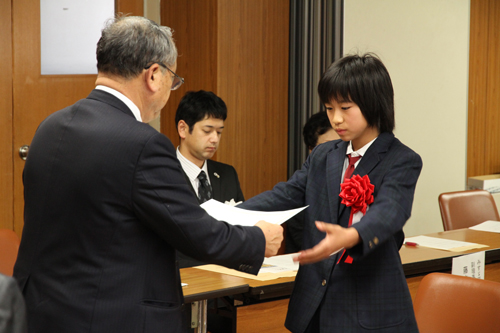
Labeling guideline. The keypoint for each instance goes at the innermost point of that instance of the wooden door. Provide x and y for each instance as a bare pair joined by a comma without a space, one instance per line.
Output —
34,96
6,152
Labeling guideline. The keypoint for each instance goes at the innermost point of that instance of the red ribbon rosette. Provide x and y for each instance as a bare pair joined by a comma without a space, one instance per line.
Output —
357,193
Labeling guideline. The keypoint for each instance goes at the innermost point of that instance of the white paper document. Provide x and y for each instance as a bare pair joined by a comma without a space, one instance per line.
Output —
238,216
471,265
443,244
282,263
490,226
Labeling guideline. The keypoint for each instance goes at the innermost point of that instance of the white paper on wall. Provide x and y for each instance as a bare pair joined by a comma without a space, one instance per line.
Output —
69,31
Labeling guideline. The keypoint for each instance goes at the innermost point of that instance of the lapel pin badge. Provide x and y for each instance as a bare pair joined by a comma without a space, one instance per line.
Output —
216,175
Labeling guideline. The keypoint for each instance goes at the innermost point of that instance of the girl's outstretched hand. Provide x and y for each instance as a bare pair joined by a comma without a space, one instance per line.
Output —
337,238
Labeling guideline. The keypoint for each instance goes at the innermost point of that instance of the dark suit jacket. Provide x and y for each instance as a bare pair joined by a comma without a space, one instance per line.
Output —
12,308
371,293
225,187
106,206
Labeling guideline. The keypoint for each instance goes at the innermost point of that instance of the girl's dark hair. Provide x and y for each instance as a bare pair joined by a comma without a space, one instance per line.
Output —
364,80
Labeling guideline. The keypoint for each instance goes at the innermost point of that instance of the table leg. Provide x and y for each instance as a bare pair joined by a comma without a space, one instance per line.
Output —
202,316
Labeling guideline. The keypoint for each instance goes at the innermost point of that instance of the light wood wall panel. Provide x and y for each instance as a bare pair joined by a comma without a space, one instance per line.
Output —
253,80
6,151
239,50
132,7
195,32
483,142
493,87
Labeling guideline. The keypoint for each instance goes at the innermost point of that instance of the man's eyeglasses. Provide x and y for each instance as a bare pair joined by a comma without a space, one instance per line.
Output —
177,80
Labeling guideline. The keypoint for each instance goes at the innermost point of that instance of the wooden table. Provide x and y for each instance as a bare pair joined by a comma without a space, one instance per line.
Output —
419,261
204,285
268,300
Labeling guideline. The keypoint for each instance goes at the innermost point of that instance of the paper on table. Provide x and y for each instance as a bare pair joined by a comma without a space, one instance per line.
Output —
283,267
490,226
443,244
282,263
238,216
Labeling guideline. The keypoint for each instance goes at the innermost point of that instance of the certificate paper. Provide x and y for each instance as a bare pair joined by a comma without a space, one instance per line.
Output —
238,216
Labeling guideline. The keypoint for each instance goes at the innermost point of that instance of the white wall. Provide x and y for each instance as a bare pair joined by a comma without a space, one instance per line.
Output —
425,46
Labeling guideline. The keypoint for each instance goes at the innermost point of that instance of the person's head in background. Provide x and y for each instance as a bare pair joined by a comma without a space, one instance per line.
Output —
138,58
318,130
358,95
200,120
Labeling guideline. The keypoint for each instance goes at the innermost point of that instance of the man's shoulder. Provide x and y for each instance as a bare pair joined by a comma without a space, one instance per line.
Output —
215,165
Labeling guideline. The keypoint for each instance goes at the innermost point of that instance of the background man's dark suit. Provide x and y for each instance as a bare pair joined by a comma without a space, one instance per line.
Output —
224,182
371,293
106,205
225,186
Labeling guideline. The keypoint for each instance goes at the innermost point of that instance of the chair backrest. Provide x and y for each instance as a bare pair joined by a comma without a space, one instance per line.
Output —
9,245
464,209
450,303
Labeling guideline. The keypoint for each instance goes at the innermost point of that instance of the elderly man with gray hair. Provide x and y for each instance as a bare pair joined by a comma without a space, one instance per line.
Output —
107,205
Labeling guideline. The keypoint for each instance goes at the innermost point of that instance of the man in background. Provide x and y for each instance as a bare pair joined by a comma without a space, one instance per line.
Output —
318,130
107,205
200,120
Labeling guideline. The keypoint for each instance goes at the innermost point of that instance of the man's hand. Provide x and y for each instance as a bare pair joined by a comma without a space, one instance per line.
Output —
274,237
336,239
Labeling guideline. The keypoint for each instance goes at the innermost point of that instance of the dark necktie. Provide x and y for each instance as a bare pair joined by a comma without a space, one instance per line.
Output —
350,167
204,188
347,175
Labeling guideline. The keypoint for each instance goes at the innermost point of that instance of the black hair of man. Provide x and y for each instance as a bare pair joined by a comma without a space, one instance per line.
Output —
198,105
318,124
364,80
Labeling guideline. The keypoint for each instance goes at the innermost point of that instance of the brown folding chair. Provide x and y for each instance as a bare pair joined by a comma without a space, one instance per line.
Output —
465,209
450,303
9,245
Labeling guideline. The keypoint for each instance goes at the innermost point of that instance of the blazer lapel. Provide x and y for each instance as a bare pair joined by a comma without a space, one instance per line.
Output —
372,156
215,180
369,161
335,163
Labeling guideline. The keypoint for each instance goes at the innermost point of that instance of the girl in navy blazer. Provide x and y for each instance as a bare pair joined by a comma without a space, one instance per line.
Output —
352,280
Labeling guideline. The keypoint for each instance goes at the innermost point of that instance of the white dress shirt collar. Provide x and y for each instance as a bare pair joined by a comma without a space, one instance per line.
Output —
192,170
135,110
361,151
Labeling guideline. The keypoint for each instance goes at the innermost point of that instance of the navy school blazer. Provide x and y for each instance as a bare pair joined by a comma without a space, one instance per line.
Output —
371,293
